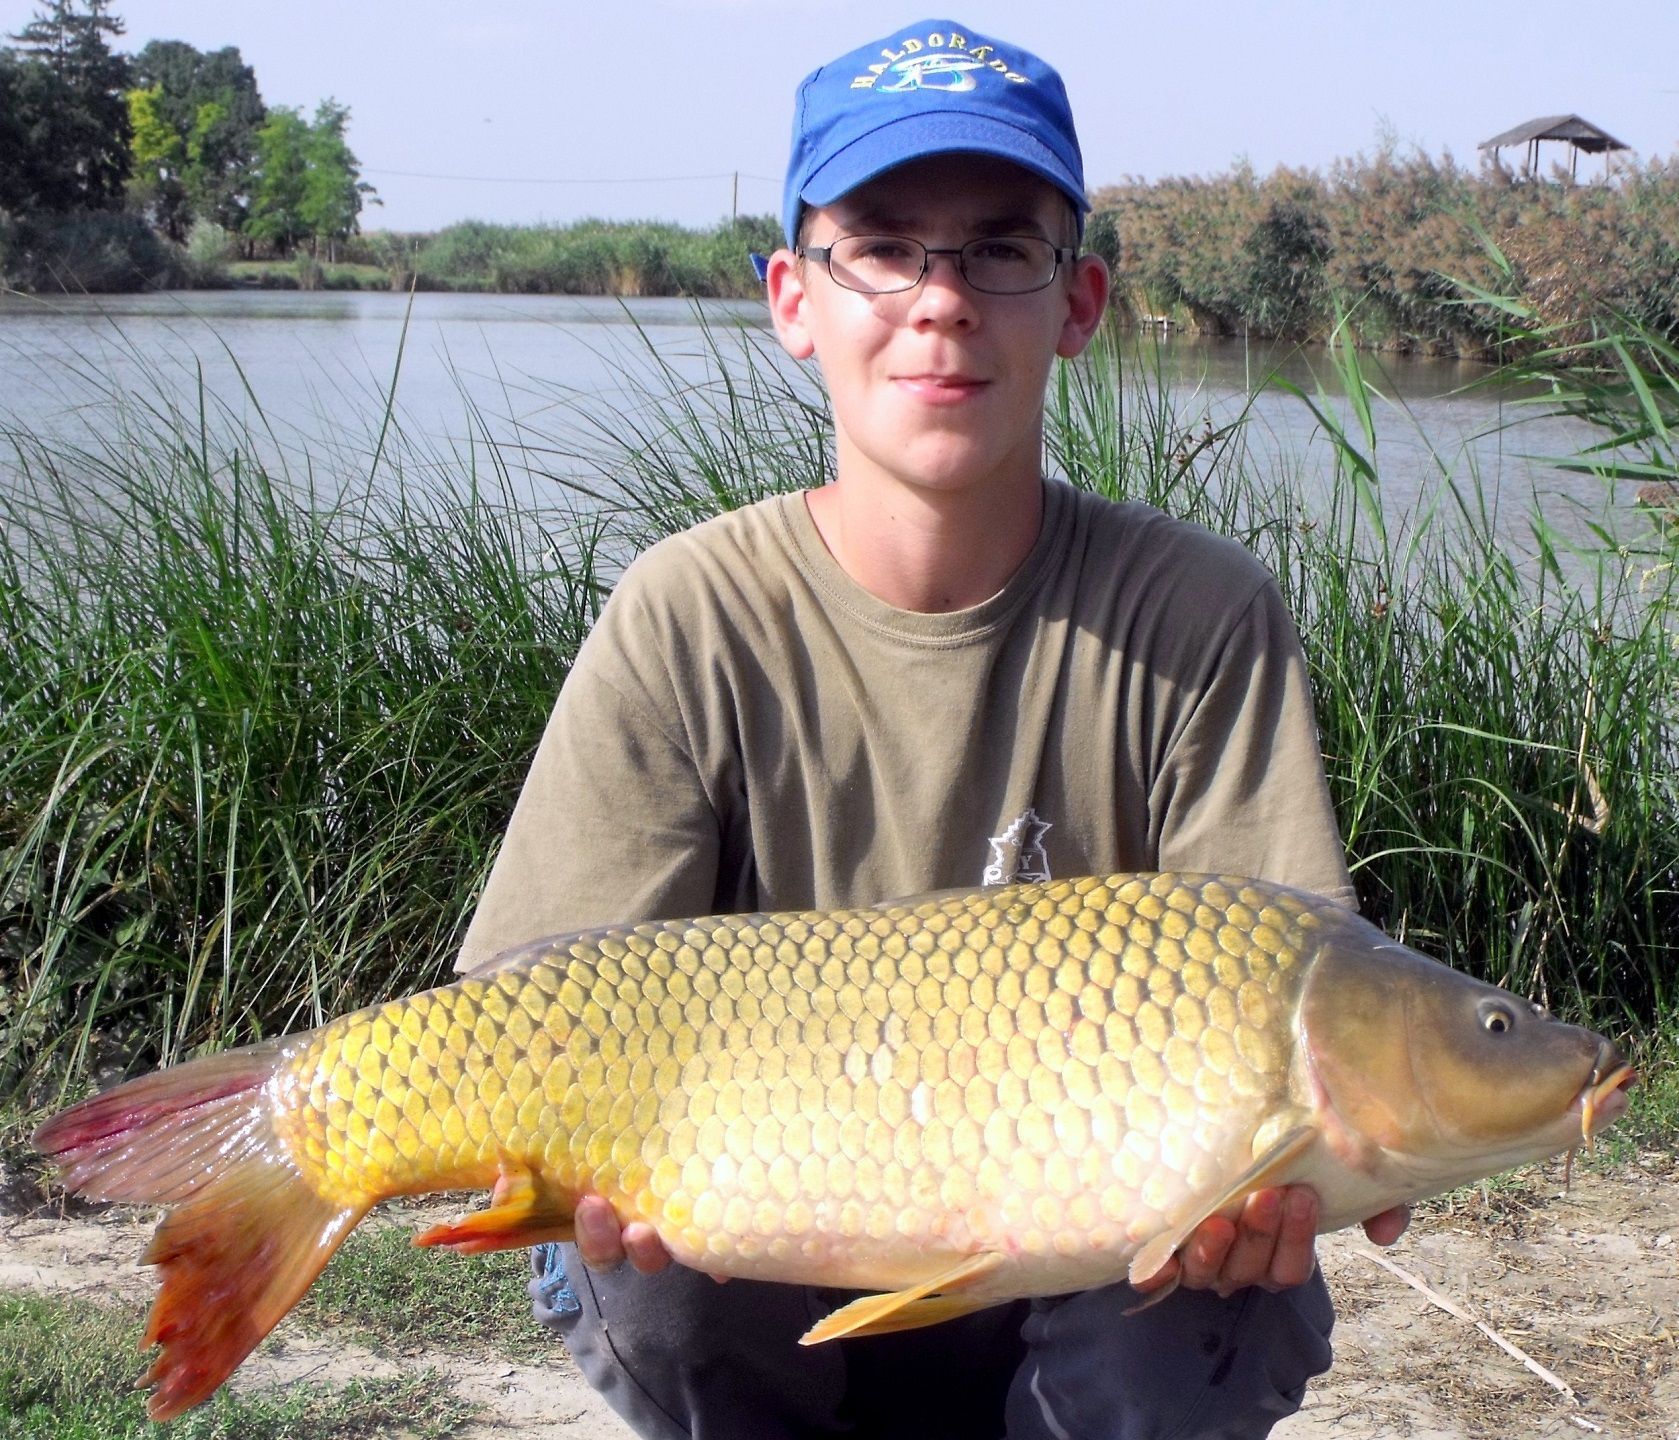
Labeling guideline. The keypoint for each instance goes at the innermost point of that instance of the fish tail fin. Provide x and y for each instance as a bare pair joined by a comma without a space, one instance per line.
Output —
248,1234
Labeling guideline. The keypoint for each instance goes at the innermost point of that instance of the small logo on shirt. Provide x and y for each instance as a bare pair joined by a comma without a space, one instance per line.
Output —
1017,855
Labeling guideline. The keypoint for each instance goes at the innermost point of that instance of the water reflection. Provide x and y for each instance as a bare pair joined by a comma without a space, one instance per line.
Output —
310,374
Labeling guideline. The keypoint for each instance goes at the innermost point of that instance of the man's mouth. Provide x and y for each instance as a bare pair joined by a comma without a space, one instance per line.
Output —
940,388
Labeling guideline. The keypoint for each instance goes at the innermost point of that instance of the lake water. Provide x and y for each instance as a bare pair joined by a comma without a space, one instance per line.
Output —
311,373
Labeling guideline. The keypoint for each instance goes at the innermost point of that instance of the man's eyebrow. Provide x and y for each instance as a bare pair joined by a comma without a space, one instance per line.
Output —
1016,222
876,222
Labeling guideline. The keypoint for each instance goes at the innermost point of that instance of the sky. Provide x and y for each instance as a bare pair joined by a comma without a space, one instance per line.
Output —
547,111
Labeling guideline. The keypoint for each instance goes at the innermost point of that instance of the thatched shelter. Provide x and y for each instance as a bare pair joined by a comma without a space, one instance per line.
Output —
1571,130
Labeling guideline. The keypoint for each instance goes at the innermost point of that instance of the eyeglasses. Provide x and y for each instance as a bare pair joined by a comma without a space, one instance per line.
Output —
993,265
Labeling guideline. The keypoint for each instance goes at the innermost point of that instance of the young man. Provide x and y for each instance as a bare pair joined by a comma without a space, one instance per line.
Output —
940,670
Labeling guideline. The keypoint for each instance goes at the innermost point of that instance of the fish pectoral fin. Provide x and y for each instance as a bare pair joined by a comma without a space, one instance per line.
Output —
924,1304
1155,1296
1268,1169
523,1211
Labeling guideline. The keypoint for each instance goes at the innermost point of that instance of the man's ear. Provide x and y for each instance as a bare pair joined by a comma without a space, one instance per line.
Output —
784,279
1087,303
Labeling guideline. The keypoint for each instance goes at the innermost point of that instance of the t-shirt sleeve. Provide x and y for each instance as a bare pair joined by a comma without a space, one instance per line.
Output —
1242,789
613,824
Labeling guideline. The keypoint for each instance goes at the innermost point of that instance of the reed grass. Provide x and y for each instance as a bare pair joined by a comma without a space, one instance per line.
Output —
1289,253
259,731
261,722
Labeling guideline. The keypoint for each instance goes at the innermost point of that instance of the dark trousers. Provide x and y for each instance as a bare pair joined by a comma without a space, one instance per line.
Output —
678,1355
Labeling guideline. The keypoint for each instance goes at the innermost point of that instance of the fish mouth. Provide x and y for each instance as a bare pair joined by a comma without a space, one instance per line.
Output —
1604,1098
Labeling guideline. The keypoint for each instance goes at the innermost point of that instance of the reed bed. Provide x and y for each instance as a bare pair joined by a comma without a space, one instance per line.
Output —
586,257
262,721
1384,237
256,745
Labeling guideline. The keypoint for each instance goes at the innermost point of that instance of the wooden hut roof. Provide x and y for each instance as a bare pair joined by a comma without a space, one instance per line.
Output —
1580,133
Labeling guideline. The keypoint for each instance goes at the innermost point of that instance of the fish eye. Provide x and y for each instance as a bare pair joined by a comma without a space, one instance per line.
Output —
1497,1018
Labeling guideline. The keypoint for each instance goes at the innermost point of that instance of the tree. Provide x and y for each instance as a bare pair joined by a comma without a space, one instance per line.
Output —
210,103
308,182
35,173
276,216
156,181
333,189
76,123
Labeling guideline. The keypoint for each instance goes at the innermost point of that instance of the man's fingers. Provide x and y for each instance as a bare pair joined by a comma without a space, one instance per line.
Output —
1257,1228
644,1247
1387,1227
1295,1257
1275,1245
599,1240
604,1245
1204,1255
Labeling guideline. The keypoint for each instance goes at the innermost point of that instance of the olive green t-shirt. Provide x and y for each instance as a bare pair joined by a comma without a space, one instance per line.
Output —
746,728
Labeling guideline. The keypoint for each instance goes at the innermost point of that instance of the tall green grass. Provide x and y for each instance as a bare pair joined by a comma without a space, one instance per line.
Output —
261,725
259,730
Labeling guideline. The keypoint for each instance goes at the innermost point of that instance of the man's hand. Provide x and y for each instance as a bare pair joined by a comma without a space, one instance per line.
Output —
604,1246
1270,1244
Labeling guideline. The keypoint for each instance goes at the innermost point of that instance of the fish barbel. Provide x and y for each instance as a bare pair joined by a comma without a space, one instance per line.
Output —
955,1100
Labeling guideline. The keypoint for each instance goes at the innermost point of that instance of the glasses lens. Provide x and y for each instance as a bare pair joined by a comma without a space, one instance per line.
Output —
1008,264
876,264
998,264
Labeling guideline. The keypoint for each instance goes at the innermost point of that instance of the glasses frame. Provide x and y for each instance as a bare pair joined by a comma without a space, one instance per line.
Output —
1064,255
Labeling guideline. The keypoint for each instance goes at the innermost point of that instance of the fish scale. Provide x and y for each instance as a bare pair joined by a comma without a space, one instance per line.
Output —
954,1100
1056,1065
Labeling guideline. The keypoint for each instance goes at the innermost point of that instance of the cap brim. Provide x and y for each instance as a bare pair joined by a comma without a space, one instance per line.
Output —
914,136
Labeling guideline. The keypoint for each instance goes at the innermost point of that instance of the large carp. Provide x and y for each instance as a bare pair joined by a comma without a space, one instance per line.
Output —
955,1100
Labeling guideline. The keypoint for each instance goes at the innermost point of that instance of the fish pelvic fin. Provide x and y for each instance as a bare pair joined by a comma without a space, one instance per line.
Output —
924,1304
247,1234
1271,1168
523,1211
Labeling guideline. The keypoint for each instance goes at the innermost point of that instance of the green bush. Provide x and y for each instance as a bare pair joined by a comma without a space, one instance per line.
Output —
94,252
596,257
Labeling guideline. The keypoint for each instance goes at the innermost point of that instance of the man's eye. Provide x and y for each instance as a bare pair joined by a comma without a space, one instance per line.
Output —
1000,252
878,248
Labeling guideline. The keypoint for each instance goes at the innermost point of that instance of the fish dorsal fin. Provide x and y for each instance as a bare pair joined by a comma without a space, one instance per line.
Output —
1268,1169
911,1308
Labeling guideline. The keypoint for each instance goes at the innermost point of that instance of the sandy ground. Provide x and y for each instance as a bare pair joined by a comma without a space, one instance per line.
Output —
1583,1283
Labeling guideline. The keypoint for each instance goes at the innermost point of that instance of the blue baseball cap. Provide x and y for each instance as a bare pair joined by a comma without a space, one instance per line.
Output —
932,88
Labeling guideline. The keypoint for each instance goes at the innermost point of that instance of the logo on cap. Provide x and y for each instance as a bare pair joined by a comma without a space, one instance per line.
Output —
944,71
950,58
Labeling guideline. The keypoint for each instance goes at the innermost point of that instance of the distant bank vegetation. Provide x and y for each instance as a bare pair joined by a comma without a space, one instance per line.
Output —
590,257
1388,242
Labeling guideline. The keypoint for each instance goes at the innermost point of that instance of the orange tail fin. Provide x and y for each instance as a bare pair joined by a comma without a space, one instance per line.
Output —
247,1235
